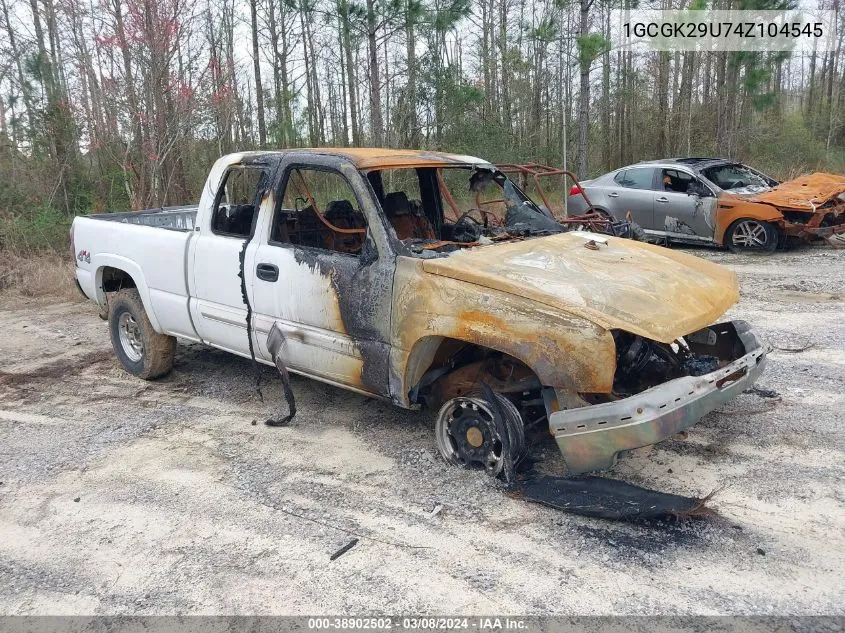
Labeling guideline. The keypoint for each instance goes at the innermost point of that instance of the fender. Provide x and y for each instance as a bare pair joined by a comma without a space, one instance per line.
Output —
100,260
731,208
563,350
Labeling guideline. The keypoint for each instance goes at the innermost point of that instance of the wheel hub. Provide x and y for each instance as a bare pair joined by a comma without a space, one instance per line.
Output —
475,437
750,234
130,337
467,435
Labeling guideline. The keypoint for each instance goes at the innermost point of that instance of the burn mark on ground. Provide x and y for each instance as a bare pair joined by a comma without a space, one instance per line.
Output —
647,544
610,499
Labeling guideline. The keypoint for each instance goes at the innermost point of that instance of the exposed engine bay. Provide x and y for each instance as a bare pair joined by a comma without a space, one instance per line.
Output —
642,363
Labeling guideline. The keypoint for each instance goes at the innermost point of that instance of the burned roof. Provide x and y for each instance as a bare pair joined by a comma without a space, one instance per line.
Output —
378,158
695,163
701,162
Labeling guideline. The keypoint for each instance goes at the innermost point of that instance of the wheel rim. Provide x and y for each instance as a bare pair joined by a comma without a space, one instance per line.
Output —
467,435
750,234
130,337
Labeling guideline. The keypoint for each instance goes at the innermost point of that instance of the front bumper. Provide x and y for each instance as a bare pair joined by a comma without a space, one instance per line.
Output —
590,438
833,235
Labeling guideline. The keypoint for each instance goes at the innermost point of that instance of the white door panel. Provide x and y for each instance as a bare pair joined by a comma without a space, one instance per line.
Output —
218,309
217,306
305,305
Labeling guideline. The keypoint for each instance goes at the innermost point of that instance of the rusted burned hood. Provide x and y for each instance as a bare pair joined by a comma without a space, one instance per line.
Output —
806,192
640,288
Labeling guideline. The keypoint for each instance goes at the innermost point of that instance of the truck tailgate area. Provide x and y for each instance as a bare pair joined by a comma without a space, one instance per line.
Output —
152,247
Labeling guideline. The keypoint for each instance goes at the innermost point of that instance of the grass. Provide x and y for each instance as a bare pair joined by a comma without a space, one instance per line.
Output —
47,275
35,259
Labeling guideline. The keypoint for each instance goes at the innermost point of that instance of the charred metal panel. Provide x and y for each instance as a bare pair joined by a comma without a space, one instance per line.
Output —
591,437
807,192
337,300
565,351
655,292
363,291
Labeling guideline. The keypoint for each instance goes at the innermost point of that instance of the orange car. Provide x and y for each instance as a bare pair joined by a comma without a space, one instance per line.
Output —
718,201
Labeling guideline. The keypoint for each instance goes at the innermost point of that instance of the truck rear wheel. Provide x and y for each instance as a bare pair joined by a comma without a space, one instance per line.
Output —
142,351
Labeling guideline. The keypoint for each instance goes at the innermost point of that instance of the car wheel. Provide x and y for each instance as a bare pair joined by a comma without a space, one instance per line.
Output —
468,435
751,236
142,351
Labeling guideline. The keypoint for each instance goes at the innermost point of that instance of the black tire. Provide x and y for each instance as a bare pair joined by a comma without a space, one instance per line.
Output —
142,351
748,235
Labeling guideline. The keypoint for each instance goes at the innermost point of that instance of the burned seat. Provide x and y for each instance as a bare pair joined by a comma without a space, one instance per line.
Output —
408,220
342,214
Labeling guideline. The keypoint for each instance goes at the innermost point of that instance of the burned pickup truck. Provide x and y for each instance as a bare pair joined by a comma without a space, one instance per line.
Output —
346,258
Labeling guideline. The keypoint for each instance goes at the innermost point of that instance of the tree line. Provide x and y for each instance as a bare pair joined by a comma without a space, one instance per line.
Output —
115,104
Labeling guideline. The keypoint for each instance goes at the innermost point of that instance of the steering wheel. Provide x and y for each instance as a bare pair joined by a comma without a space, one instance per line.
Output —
739,184
466,214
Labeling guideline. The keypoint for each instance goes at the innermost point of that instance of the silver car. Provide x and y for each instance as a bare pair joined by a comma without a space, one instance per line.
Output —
672,200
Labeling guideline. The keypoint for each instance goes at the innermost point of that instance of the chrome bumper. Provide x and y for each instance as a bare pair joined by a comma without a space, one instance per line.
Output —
590,438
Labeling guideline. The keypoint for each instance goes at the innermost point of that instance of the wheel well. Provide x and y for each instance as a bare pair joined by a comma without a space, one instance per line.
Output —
114,279
457,367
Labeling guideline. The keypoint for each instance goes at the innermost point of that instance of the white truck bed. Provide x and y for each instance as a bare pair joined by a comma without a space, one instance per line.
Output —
150,245
174,218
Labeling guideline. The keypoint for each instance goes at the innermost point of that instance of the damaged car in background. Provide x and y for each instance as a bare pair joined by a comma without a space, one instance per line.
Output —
721,202
344,266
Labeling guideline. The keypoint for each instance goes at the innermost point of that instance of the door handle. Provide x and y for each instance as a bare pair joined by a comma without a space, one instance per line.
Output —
613,194
662,199
267,272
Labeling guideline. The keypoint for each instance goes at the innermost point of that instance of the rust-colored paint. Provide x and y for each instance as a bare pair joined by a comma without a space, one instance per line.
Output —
551,303
378,158
563,351
623,284
805,192
502,377
814,193
731,208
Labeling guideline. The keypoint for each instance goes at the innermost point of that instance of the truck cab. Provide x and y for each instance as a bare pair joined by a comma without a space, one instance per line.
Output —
348,256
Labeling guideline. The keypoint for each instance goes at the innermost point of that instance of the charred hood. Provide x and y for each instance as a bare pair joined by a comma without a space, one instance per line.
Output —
806,192
621,284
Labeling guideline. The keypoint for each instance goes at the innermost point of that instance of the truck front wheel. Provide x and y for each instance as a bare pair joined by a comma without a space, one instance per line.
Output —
468,435
142,351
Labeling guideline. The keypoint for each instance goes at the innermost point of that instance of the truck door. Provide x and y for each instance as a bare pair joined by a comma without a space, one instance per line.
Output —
324,274
683,205
217,303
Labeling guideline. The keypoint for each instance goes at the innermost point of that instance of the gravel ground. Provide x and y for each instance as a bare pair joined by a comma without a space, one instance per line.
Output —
124,497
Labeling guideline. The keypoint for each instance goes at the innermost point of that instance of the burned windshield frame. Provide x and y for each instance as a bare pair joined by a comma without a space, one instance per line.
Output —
764,181
509,189
521,214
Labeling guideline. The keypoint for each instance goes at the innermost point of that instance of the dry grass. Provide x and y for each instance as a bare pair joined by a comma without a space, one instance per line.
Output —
46,276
